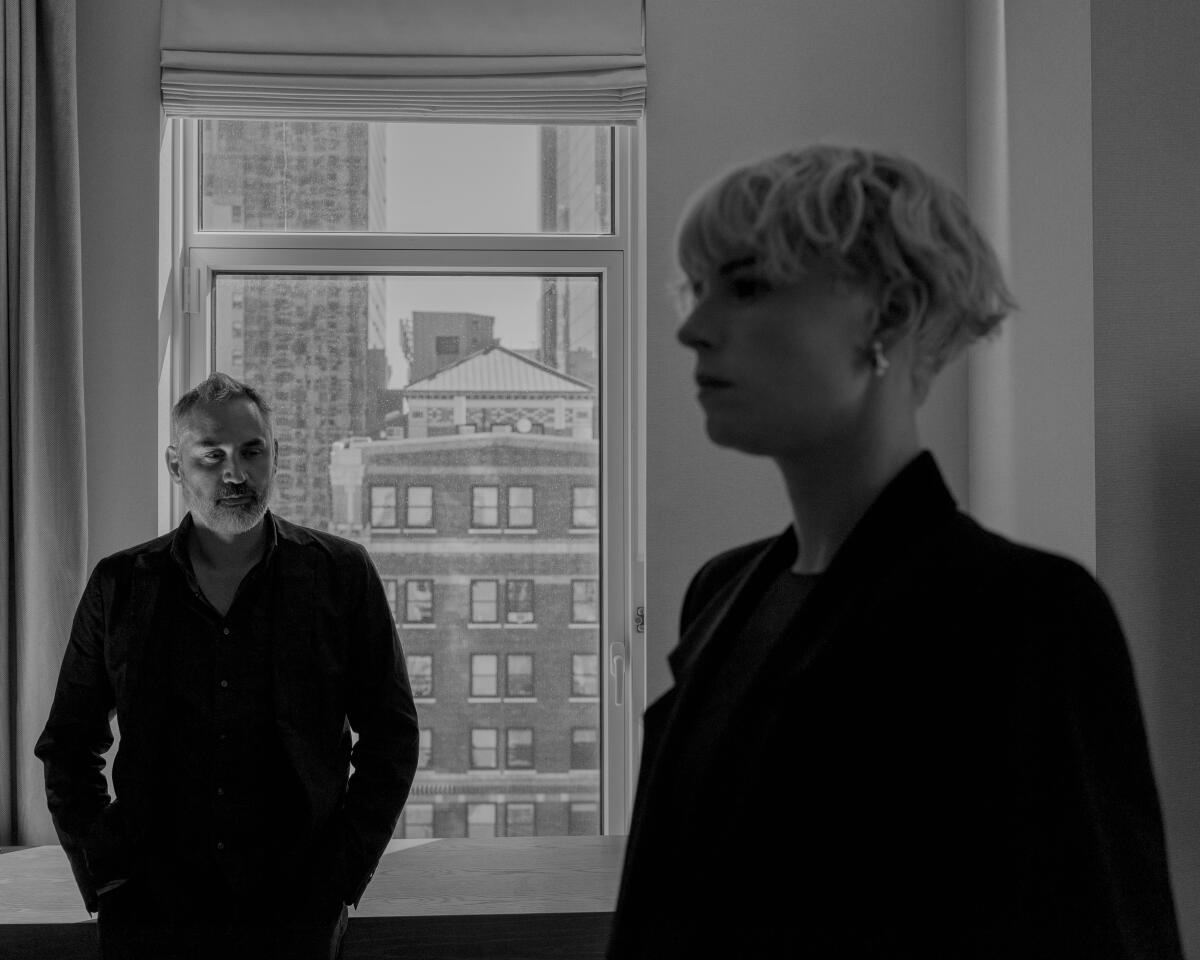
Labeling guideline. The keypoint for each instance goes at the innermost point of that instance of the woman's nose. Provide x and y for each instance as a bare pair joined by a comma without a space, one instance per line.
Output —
697,331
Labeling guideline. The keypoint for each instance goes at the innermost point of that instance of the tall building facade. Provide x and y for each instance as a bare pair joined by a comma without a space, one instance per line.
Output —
484,525
312,344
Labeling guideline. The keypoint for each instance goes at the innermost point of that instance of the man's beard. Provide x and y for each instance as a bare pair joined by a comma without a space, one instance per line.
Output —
222,517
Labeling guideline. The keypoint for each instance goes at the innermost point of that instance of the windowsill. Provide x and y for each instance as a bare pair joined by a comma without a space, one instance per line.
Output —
483,626
583,700
484,530
417,626
583,626
389,531
439,893
420,531
424,699
520,626
520,699
522,531
483,700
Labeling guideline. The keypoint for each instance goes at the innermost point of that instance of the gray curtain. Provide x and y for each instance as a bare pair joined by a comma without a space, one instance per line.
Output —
43,505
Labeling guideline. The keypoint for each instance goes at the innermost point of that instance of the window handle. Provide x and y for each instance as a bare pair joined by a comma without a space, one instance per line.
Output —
616,667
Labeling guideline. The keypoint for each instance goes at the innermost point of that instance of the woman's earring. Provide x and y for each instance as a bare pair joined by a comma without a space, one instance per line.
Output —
880,362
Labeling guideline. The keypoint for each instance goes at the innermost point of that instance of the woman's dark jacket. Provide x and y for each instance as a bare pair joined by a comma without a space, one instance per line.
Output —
942,756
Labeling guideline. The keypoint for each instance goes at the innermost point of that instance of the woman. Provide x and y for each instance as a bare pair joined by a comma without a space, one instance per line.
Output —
892,733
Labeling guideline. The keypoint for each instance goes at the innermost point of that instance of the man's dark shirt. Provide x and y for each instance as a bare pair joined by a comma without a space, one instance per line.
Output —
315,656
232,798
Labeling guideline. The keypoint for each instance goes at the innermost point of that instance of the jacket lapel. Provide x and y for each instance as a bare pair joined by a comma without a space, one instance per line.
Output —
728,607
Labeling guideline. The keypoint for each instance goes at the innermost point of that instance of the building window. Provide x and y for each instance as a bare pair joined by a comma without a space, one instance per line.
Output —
519,820
483,748
583,819
585,682
389,589
518,675
519,752
481,820
484,682
420,674
484,601
419,509
518,595
418,601
418,821
383,506
584,507
424,747
584,608
520,507
485,506
585,754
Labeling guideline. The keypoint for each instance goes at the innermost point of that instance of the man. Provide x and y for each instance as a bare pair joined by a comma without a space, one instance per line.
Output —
238,652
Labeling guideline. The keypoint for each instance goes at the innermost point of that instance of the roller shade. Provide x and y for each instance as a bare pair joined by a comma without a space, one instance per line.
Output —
528,61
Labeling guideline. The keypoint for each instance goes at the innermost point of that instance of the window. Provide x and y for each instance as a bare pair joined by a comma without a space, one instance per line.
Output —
518,607
584,679
349,270
583,820
518,675
418,601
484,682
419,511
383,506
424,747
583,601
481,820
483,601
485,506
420,674
519,753
584,752
483,748
520,507
418,821
389,590
519,820
584,507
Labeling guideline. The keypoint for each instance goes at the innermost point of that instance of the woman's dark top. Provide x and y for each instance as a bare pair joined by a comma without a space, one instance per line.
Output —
938,753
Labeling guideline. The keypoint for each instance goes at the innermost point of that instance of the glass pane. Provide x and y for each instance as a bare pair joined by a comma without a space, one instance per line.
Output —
342,176
364,401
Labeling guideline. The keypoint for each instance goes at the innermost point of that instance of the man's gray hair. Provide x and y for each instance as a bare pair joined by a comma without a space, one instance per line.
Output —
217,388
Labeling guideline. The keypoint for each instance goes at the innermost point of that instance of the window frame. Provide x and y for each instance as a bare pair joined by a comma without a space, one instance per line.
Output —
475,489
471,584
483,676
508,749
408,658
432,621
531,507
408,508
197,257
508,675
495,748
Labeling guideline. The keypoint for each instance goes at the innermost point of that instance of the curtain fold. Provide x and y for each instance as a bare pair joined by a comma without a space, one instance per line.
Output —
43,494
524,61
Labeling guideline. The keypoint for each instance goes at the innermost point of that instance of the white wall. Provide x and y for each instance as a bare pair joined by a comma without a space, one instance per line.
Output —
1147,218
118,157
731,80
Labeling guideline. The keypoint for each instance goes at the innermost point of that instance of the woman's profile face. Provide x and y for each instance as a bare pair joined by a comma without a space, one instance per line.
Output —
781,370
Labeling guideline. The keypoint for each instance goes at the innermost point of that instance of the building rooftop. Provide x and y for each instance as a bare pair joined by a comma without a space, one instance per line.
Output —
494,370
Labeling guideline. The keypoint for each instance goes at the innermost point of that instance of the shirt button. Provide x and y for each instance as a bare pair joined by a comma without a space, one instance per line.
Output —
220,791
220,844
224,683
222,737
226,631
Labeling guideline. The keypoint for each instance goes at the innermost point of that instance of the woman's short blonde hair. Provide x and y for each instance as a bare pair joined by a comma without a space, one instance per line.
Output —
875,221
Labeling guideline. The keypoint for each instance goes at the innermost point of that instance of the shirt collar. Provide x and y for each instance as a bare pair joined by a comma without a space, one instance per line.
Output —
179,540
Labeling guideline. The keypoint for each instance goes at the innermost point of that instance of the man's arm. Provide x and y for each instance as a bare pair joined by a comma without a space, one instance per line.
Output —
382,713
76,736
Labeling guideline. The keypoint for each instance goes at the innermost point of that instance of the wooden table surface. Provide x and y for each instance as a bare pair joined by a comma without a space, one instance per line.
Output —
511,897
